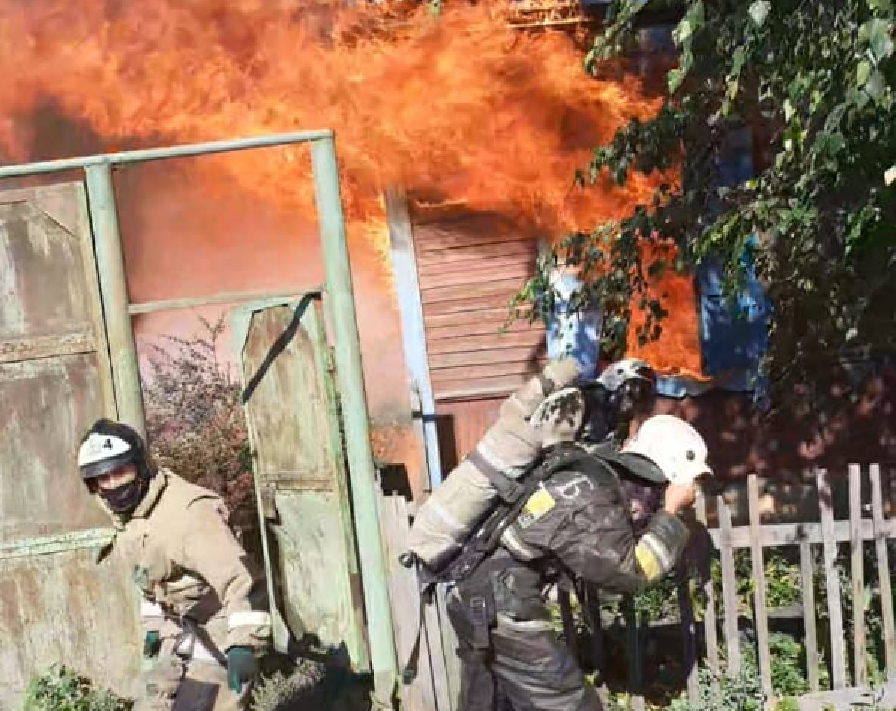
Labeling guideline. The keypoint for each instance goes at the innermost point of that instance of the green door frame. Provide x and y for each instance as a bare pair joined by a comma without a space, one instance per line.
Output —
339,289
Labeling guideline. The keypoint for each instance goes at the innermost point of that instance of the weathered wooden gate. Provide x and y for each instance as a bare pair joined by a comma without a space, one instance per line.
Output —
54,380
300,471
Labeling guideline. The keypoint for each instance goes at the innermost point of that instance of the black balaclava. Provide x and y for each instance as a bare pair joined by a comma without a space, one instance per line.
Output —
125,498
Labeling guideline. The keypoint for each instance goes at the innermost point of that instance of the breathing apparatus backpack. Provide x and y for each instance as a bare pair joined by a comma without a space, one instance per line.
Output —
489,474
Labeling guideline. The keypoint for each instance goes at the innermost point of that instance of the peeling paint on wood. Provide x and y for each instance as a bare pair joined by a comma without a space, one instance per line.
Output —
45,346
48,403
44,545
469,270
62,608
298,455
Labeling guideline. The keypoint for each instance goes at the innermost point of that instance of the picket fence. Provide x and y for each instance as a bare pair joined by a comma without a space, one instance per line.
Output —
436,686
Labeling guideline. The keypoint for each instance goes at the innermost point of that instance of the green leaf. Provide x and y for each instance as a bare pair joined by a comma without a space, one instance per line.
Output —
733,86
738,60
863,71
876,85
879,38
789,110
682,33
674,77
759,11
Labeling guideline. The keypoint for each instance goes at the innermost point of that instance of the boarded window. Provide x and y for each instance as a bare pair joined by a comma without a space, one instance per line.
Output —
469,268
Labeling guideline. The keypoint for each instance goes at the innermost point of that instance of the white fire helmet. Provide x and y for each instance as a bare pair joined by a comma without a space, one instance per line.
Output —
627,370
673,445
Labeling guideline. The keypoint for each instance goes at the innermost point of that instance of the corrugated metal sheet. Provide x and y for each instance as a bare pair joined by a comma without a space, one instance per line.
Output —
469,269
299,462
56,605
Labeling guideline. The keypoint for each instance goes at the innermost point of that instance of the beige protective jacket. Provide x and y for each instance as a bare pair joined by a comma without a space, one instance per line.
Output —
186,562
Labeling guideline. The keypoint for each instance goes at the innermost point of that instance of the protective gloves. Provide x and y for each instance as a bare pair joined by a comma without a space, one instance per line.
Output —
241,667
150,644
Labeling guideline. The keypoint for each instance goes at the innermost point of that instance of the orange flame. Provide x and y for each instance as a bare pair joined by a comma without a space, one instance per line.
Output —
458,107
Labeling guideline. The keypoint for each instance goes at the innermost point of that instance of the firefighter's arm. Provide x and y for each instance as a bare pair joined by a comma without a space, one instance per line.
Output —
602,549
152,616
212,551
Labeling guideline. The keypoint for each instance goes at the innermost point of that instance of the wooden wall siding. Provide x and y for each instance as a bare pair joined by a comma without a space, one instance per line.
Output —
462,424
468,269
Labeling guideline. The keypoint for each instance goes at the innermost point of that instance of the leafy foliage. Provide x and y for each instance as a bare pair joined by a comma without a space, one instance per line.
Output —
195,422
738,693
815,81
60,688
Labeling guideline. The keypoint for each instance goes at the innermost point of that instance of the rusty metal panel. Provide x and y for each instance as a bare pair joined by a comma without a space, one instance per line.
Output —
62,607
297,450
54,380
47,403
45,290
468,271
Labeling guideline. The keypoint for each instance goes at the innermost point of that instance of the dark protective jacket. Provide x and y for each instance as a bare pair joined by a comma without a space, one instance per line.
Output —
578,524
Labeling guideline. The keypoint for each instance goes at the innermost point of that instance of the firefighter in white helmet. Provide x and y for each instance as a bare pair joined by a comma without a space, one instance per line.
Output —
624,390
203,602
579,525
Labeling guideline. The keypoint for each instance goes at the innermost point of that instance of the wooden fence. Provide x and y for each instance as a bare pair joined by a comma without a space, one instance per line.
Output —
436,686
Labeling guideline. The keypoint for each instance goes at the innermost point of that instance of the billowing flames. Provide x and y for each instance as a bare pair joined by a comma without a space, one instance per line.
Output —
454,108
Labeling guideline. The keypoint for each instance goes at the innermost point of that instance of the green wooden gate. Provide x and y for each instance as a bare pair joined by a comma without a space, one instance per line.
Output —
56,605
300,472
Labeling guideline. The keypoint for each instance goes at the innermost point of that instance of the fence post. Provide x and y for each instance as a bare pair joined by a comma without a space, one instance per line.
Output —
856,546
832,578
709,616
689,638
729,588
807,576
759,599
883,570
114,292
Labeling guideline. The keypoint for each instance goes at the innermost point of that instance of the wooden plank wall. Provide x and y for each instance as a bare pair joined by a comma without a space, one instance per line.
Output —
469,268
436,685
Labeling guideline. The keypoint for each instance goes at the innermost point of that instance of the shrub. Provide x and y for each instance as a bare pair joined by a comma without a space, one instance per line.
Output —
195,422
294,689
738,693
62,689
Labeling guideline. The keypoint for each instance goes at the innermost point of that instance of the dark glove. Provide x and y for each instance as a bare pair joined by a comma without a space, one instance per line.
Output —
150,644
241,667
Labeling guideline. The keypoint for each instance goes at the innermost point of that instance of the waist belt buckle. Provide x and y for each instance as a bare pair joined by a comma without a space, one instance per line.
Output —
478,611
185,644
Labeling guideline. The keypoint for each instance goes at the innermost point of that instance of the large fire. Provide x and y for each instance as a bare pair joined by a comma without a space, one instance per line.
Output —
458,107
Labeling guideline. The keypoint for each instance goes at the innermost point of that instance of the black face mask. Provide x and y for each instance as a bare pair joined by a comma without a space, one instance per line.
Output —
124,498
